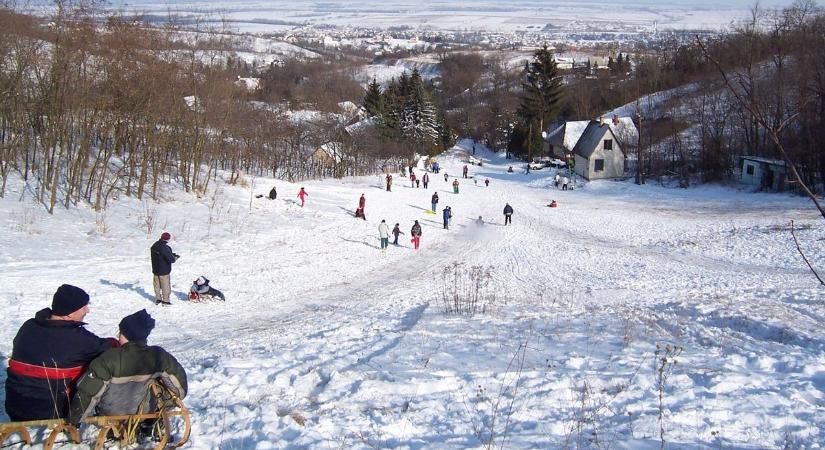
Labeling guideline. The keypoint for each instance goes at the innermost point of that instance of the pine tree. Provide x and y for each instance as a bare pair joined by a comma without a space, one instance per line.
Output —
619,64
374,100
418,117
611,66
541,96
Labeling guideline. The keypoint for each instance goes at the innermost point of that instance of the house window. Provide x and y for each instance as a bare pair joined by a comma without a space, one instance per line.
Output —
608,144
599,165
749,169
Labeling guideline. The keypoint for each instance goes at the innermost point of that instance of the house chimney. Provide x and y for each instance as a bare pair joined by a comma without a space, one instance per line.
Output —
615,119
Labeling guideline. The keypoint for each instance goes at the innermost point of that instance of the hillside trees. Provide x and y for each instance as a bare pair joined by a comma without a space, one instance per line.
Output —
541,99
408,115
95,110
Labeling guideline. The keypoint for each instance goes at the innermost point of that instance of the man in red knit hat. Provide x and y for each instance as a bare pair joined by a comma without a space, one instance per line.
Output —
162,259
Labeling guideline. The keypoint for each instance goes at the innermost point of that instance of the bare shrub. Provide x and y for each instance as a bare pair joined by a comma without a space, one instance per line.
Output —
148,218
101,224
665,361
467,290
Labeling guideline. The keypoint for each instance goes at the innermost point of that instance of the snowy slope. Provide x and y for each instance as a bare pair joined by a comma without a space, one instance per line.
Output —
325,342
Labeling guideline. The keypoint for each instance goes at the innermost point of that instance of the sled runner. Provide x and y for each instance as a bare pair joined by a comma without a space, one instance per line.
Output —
170,416
203,298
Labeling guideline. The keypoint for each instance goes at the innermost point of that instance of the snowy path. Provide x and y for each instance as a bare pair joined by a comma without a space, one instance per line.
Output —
326,343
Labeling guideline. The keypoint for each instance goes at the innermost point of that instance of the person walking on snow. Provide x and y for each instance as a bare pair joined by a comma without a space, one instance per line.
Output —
415,232
445,177
360,211
487,182
396,231
564,182
556,179
455,186
447,214
389,182
384,234
273,194
508,214
162,260
302,194
412,179
465,170
435,201
426,180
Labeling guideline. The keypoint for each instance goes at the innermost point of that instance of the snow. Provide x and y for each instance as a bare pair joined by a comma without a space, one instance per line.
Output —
326,342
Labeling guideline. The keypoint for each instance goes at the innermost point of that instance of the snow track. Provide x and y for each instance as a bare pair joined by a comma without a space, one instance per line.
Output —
326,342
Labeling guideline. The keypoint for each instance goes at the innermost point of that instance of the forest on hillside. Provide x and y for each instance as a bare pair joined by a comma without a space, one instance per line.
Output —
97,106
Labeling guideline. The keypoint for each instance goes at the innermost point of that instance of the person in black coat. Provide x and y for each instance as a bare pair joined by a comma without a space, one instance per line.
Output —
49,354
273,194
162,259
508,214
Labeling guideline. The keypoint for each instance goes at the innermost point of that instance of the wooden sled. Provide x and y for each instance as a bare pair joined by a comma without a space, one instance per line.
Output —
171,412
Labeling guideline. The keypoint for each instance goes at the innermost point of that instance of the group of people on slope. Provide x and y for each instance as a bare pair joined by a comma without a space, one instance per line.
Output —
384,234
58,369
273,195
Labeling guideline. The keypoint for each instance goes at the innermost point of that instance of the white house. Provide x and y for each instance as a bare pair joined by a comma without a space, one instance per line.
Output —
598,147
766,173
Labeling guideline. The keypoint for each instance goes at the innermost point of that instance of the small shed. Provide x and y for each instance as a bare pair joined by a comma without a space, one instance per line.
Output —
765,173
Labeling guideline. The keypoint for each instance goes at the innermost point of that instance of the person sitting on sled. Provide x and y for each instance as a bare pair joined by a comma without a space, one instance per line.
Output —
553,204
201,287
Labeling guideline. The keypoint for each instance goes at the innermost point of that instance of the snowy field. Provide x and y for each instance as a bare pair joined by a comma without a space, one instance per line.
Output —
498,15
326,343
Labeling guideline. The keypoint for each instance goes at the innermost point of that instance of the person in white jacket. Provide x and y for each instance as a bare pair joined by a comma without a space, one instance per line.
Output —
384,234
564,182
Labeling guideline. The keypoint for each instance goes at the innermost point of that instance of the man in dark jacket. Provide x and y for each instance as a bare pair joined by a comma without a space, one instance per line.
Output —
508,214
447,215
162,259
49,354
118,381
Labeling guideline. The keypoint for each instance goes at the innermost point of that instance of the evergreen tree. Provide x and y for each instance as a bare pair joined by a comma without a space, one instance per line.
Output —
541,97
418,118
611,66
619,64
374,100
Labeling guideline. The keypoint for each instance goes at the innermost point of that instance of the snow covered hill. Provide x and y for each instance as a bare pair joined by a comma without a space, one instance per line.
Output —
326,342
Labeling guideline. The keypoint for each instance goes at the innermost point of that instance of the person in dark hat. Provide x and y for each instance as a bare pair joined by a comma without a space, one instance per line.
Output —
118,381
50,352
162,259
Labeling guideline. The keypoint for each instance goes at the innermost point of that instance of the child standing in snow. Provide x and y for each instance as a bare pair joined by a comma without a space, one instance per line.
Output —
455,186
435,201
415,232
564,182
396,232
302,194
425,179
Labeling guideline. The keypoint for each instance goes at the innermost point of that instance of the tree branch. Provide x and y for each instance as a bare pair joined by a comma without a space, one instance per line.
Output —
799,249
773,133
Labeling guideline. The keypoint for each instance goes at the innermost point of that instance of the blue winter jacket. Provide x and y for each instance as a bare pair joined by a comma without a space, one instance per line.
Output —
52,344
162,258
